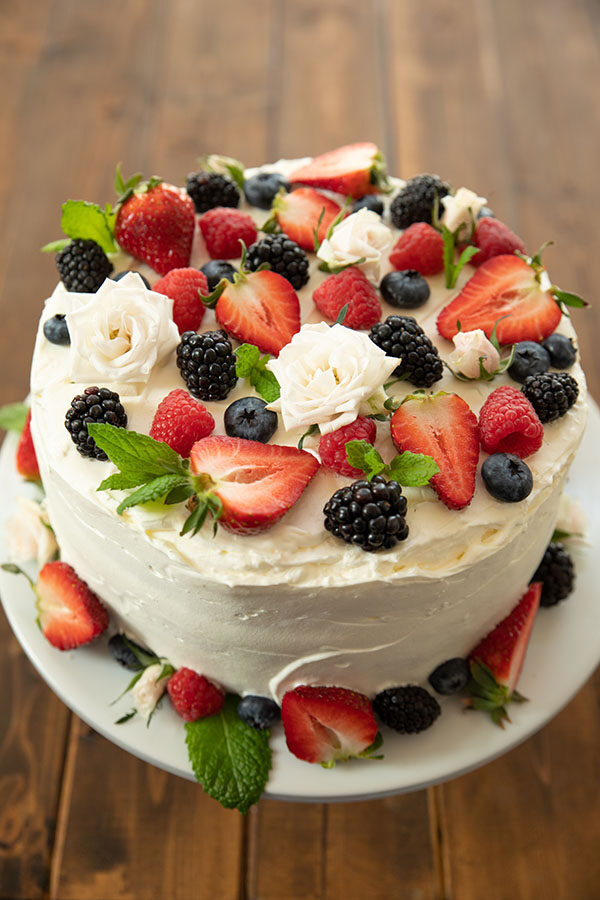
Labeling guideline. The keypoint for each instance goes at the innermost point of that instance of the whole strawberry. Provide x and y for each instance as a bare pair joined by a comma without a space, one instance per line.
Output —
184,287
25,459
421,248
180,421
223,228
155,223
494,238
193,696
349,287
508,423
332,446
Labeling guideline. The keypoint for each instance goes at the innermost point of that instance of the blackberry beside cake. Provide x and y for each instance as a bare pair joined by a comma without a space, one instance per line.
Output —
420,344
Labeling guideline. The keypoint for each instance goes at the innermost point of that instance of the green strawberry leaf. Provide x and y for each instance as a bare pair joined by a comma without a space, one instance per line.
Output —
252,366
13,416
88,221
230,759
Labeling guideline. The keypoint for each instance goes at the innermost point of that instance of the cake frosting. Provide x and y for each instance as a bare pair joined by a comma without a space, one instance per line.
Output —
262,613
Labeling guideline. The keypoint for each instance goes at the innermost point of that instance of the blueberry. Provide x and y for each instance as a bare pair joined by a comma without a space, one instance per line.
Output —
406,290
260,189
485,213
120,275
56,330
121,649
450,676
507,477
247,418
369,201
215,269
529,359
259,712
561,350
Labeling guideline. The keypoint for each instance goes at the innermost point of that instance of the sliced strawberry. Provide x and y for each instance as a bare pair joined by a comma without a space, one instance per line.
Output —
356,169
496,662
260,308
298,215
324,724
70,614
25,459
256,483
442,426
504,286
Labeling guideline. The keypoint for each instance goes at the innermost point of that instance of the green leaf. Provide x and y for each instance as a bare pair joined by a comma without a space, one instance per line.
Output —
252,366
56,246
356,452
413,469
126,717
230,759
448,238
152,490
342,314
310,430
568,299
13,416
195,520
179,493
120,482
136,455
81,219
247,358
467,254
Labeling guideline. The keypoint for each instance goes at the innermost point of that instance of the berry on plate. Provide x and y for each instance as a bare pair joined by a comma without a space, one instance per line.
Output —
303,212
223,230
556,573
504,292
25,458
494,238
193,696
258,712
496,662
416,201
250,419
325,724
406,289
442,426
551,394
420,247
207,364
450,677
332,446
368,514
408,709
180,421
349,287
83,266
127,653
184,287
69,613
254,484
508,423
403,338
355,170
506,477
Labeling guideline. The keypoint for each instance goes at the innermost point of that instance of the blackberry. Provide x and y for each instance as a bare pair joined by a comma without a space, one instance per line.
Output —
416,200
207,364
83,266
561,349
370,514
369,201
94,405
557,574
551,394
284,257
260,189
402,337
56,330
258,712
209,189
407,709
530,358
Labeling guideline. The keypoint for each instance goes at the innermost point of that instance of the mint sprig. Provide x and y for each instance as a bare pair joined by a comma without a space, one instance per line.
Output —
452,269
87,221
252,366
230,759
13,416
408,469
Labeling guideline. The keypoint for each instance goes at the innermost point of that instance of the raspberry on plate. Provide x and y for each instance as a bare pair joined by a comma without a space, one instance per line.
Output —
350,287
223,228
184,287
180,421
494,238
508,423
332,446
193,696
421,248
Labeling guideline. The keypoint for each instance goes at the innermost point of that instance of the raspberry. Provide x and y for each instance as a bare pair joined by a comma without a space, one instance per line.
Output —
420,247
193,696
332,446
508,423
182,286
349,287
494,238
180,421
223,229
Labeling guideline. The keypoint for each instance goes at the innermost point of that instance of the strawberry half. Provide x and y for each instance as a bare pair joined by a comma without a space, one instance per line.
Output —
254,483
497,661
25,458
505,286
442,426
325,724
355,169
298,214
69,613
260,308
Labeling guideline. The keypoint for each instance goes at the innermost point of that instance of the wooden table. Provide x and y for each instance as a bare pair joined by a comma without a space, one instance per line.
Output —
501,96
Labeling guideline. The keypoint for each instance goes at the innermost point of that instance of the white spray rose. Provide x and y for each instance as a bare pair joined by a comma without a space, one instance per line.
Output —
571,517
121,333
471,346
329,376
148,690
360,236
28,533
459,208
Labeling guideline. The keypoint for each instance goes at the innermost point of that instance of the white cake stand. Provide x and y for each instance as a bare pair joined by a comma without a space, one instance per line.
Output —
563,653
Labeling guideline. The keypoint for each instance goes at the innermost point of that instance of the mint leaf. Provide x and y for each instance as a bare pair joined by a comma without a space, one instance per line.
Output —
365,457
252,366
247,358
81,219
13,416
152,490
413,469
136,455
230,759
56,246
266,385
120,482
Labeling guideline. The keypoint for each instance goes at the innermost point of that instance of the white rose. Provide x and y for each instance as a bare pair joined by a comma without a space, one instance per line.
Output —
571,517
28,533
121,333
328,376
148,690
360,236
460,207
471,346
